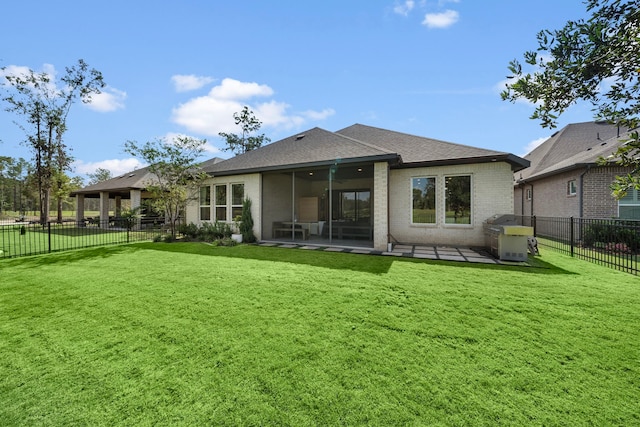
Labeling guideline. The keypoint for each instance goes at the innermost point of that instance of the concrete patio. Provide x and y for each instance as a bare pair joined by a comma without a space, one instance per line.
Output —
442,253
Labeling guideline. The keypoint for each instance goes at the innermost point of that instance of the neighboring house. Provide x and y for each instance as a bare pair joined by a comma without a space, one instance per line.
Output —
362,186
129,186
564,179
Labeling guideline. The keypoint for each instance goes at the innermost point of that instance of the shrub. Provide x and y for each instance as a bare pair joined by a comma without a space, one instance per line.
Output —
611,233
209,232
246,224
188,230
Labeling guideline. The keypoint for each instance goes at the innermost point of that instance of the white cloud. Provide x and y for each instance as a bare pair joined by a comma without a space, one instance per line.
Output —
208,147
441,20
533,145
109,99
14,70
23,71
318,115
117,167
185,83
404,8
213,113
235,90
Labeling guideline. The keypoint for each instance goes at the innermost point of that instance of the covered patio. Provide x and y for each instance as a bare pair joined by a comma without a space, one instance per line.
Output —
321,204
129,187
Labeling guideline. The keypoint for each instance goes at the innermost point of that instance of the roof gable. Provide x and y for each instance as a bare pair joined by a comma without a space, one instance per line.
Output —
312,147
575,144
137,179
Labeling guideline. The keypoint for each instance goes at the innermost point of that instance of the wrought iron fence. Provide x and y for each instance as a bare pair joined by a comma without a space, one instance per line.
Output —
611,242
22,238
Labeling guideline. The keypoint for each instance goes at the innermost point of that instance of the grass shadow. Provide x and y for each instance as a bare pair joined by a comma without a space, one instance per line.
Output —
67,256
534,266
374,264
316,258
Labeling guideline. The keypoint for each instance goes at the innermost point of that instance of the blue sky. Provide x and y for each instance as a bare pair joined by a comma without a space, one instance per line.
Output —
432,68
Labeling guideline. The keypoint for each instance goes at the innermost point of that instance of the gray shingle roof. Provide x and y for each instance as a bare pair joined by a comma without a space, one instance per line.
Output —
574,145
357,143
418,150
134,180
313,147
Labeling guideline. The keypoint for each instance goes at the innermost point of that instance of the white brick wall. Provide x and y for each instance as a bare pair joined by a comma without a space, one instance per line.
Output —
252,190
380,205
492,193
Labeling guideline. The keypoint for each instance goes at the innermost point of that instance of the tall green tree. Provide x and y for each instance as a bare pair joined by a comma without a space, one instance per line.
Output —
101,174
13,173
43,106
178,176
244,142
596,60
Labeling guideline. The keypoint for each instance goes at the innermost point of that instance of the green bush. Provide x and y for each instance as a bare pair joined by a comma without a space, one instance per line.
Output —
206,232
606,233
246,224
189,230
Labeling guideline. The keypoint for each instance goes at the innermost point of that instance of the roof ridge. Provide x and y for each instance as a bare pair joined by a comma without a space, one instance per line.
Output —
441,141
549,144
366,144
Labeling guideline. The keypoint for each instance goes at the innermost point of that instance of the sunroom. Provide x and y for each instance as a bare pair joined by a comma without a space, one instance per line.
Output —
319,205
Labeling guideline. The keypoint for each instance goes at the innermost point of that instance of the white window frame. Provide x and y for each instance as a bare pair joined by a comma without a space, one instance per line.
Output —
528,193
217,202
203,206
572,188
436,207
235,207
444,198
634,202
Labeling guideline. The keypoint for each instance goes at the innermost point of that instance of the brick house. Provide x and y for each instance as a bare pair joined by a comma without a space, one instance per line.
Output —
564,179
362,186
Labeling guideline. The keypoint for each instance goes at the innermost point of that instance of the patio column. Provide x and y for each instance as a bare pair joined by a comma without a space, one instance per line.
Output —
104,209
79,208
381,205
136,201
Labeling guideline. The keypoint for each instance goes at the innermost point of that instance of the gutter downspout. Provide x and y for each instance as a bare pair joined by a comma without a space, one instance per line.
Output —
581,200
521,184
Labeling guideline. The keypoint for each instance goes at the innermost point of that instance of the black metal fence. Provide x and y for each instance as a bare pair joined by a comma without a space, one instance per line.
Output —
611,242
22,238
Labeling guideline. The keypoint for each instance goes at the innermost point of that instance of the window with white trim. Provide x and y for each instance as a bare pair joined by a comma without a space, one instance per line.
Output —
221,202
572,188
528,193
424,200
457,199
629,205
237,196
205,203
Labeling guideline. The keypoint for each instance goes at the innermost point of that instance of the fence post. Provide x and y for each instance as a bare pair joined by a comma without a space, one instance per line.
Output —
571,234
533,224
49,234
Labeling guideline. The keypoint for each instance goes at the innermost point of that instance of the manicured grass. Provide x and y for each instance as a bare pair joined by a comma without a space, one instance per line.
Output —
31,239
192,334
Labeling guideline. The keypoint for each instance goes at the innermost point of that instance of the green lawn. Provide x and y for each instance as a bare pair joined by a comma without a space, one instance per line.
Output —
30,239
190,334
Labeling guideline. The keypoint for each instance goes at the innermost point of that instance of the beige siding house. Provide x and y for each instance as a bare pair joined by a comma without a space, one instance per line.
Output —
362,186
